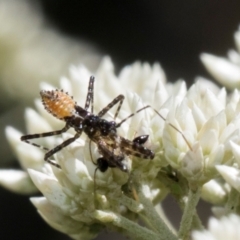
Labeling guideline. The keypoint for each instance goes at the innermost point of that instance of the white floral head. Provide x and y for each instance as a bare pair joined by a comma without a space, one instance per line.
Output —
195,140
225,228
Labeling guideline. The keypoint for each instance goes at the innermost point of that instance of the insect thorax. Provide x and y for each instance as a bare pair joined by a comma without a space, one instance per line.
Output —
95,126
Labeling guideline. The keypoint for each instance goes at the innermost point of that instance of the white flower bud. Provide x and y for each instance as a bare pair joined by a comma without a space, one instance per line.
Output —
223,70
214,192
231,175
192,163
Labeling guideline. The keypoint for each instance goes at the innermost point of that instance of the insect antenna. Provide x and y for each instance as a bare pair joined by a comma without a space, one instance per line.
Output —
90,151
94,181
170,124
131,115
95,171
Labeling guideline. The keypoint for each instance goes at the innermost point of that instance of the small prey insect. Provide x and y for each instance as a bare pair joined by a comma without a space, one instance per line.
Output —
112,147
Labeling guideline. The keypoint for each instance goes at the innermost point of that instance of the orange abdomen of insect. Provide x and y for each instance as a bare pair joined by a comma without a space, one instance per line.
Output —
58,103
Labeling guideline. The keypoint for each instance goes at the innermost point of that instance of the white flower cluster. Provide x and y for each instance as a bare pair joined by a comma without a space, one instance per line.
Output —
198,141
70,192
225,228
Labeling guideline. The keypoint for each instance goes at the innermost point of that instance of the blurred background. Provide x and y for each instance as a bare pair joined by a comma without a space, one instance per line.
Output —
40,39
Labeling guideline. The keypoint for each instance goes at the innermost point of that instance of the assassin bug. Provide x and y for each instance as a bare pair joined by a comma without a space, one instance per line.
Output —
112,147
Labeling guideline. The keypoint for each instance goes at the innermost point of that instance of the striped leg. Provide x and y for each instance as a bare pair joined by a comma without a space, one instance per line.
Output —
119,99
89,99
58,148
26,138
132,114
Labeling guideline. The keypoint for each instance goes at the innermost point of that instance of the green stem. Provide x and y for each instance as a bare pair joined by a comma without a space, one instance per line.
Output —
179,189
154,219
162,215
132,229
189,211
197,223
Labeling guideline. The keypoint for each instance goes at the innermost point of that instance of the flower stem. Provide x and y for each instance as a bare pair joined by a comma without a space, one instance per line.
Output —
132,229
197,223
162,215
154,219
189,212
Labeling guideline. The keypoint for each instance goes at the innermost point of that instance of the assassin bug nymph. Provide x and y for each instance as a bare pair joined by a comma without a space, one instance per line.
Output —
112,147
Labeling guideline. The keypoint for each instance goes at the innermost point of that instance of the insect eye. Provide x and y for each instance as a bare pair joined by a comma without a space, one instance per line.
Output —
141,139
102,164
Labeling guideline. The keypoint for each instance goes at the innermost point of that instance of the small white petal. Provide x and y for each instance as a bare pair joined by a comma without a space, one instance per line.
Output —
231,175
214,192
160,95
211,104
135,103
237,39
79,76
208,140
13,136
17,181
192,163
215,157
49,187
158,73
180,88
52,214
106,71
236,152
202,236
147,191
35,123
198,116
30,157
66,85
222,96
204,84
224,71
209,134
234,97
185,119
229,133
80,173
46,86
234,56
